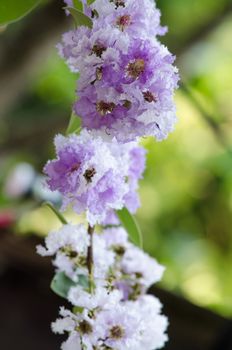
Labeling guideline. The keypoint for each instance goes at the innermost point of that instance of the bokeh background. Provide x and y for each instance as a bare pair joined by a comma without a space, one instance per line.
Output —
186,193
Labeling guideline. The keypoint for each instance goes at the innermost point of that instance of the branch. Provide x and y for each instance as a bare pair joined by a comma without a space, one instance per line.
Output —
90,263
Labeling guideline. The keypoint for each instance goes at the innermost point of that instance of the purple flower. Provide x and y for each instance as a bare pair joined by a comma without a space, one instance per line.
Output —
127,78
135,18
93,174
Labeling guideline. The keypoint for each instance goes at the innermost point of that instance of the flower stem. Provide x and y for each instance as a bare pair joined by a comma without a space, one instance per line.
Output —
90,263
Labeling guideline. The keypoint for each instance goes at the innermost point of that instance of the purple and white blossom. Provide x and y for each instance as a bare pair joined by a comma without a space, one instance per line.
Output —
125,91
69,246
125,327
127,77
95,175
134,270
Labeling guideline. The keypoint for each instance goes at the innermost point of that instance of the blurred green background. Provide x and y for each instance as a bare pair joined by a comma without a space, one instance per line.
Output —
186,193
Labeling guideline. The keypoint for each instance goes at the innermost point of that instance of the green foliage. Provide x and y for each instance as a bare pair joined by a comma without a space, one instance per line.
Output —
55,83
78,5
89,2
62,283
131,226
11,10
74,125
57,213
80,18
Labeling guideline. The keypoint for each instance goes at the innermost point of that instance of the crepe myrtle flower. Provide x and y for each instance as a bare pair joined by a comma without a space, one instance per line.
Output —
133,326
92,174
132,95
136,18
129,326
79,326
146,269
72,238
154,323
131,260
136,169
125,15
69,247
125,93
126,80
134,271
101,298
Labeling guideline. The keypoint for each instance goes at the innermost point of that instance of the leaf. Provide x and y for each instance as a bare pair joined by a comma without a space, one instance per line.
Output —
83,281
12,10
57,213
89,2
80,18
131,226
78,5
77,310
61,283
74,125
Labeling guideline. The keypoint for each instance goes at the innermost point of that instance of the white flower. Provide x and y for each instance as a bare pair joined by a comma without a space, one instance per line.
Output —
102,256
115,236
69,245
70,236
100,298
154,325
119,327
137,262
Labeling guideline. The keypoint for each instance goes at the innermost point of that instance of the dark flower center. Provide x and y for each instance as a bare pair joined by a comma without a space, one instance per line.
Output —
98,50
85,327
118,3
127,104
134,69
119,250
94,14
123,22
68,250
136,292
117,332
104,108
99,73
89,174
149,97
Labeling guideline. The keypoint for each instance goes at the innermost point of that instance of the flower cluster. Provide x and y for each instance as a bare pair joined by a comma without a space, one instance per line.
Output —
125,91
96,175
117,314
127,77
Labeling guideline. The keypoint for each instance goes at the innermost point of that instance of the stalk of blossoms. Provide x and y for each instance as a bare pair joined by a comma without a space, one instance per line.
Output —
125,91
90,262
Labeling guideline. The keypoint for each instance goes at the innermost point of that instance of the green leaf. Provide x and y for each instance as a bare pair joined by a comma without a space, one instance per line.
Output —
78,5
89,2
131,226
74,125
61,283
83,281
12,10
77,310
80,18
57,213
